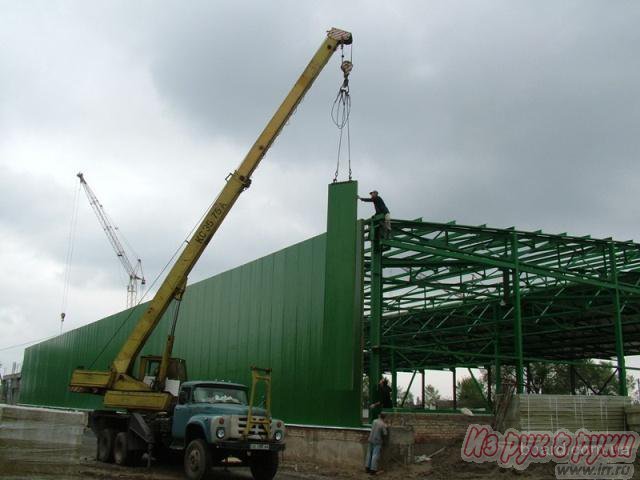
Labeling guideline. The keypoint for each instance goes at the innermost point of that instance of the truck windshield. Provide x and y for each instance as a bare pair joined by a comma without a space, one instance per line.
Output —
213,394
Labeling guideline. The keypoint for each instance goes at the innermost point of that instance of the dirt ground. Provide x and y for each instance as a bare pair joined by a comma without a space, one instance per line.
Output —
445,465
21,460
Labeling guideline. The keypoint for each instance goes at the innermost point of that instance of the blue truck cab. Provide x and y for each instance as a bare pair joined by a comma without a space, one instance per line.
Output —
210,423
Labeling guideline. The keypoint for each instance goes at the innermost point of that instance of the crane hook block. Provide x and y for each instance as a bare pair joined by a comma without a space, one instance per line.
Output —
346,68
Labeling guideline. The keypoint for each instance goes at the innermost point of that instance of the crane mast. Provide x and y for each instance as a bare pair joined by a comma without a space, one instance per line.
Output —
119,387
135,273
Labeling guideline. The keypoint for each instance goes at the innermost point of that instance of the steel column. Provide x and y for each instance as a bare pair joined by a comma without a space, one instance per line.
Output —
517,315
572,379
455,390
622,371
394,378
496,353
375,370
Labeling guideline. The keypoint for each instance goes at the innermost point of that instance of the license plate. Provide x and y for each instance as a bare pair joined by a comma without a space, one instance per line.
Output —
259,446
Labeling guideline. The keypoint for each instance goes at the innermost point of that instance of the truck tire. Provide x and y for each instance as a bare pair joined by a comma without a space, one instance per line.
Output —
106,437
197,460
264,465
121,452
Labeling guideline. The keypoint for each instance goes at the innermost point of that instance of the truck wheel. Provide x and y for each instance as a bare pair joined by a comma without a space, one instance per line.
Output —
264,465
121,453
106,438
197,460
135,457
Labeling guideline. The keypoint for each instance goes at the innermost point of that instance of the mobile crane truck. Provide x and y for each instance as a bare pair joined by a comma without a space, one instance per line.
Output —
158,408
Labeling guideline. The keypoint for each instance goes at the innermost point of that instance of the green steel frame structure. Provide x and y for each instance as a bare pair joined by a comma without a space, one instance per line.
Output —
423,296
441,296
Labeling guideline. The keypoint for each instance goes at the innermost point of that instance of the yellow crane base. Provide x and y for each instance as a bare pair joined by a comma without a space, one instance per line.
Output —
148,401
123,392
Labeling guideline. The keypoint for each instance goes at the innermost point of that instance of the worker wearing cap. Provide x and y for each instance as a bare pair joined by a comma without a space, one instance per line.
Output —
381,209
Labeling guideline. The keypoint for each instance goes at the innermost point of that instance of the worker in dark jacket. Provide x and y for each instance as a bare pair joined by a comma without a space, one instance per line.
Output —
381,209
384,394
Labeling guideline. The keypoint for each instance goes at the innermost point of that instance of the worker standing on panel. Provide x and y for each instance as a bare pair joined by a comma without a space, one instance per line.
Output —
381,209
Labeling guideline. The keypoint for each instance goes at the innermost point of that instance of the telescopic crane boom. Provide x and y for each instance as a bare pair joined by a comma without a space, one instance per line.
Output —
119,387
135,273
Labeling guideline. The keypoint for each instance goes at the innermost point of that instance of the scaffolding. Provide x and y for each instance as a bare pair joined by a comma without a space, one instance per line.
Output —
444,296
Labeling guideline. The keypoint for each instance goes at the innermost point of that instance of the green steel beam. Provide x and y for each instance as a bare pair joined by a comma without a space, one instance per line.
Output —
622,372
441,284
565,276
406,394
479,388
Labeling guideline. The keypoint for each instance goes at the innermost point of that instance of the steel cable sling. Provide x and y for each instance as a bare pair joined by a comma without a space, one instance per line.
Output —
341,111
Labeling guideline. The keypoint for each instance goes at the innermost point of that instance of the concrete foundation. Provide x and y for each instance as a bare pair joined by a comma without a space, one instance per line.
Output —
409,435
346,447
42,425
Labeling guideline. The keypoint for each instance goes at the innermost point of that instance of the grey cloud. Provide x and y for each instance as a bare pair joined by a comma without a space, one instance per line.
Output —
32,203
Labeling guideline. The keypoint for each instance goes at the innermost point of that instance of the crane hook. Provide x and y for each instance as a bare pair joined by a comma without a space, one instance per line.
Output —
346,68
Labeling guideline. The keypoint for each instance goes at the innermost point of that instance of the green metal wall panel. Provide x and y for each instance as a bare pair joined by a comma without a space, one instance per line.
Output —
341,337
269,312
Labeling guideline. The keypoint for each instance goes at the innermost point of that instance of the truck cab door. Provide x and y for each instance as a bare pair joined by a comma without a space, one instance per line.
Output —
181,414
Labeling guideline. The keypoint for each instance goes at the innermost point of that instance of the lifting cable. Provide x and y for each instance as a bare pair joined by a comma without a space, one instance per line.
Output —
341,110
69,257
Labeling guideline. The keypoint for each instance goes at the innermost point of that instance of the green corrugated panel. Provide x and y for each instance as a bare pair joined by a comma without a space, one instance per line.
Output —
341,334
269,312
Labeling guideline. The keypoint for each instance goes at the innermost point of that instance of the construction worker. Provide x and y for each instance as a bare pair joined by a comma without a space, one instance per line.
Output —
379,431
381,209
384,394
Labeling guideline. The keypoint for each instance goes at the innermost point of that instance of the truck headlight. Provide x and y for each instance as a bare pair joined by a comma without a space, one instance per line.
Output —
220,433
278,436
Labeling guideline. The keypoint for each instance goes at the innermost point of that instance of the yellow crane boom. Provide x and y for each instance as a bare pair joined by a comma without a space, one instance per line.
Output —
120,388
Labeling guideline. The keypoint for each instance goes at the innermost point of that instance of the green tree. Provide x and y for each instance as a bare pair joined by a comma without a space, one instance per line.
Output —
431,395
408,402
468,395
590,377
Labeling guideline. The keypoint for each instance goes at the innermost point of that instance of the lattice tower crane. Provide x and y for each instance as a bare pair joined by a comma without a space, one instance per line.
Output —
136,275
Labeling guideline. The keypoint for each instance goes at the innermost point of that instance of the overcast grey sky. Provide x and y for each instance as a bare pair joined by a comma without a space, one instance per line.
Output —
498,112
